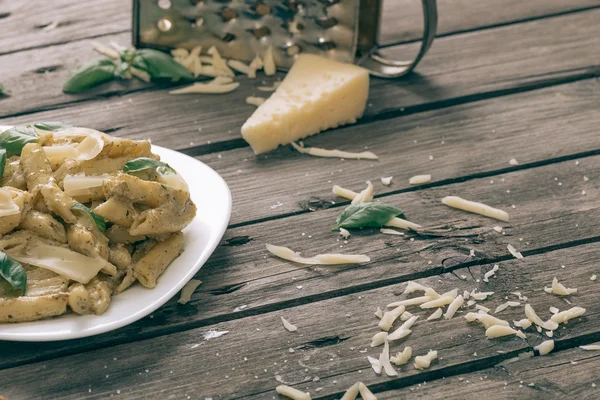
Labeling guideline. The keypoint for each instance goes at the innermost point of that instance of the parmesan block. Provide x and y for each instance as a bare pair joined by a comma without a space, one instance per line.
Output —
316,94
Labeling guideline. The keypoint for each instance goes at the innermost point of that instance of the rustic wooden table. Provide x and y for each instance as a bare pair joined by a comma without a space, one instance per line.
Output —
505,79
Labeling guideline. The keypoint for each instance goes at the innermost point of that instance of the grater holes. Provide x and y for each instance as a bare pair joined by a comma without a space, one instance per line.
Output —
295,27
227,37
261,32
295,5
228,14
164,24
326,44
262,9
194,2
164,4
327,22
293,49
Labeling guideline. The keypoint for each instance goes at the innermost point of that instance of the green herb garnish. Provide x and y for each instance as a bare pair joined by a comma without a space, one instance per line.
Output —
144,163
157,64
2,162
89,75
51,126
14,139
13,272
364,215
98,220
4,91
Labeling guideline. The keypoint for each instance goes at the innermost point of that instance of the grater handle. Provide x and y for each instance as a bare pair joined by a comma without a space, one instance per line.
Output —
383,67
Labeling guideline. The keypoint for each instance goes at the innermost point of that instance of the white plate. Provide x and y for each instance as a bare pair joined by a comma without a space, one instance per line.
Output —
213,199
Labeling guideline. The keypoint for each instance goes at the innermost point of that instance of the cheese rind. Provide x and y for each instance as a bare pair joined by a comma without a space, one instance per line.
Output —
316,94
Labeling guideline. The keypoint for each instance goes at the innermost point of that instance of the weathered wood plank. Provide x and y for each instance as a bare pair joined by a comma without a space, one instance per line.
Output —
518,126
504,59
546,215
25,25
569,373
328,346
402,19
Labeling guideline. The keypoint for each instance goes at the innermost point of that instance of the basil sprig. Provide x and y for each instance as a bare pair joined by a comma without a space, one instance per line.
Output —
4,91
364,215
14,139
157,64
13,272
89,75
2,162
144,163
98,220
51,126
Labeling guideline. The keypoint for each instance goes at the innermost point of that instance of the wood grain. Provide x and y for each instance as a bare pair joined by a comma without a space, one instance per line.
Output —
243,280
328,348
572,372
500,60
25,25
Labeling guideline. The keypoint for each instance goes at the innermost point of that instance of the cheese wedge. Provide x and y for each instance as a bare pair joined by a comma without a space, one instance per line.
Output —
316,94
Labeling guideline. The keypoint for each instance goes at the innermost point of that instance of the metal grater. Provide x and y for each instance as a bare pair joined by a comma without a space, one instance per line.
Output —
344,30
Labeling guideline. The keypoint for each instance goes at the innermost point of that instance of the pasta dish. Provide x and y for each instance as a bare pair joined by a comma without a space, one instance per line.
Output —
83,216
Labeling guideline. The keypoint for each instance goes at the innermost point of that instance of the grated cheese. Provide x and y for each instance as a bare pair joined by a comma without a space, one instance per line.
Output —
523,323
403,330
402,357
387,231
292,393
419,179
352,392
288,325
498,229
211,87
106,51
496,331
545,347
423,362
436,315
389,317
514,252
345,193
486,320
513,161
378,339
412,287
365,196
379,313
402,224
269,88
255,65
179,52
490,273
553,310
454,306
375,364
482,308
345,233
384,359
387,181
442,301
318,152
504,306
188,290
241,67
320,259
481,295
255,101
533,317
566,315
365,393
405,316
590,347
593,278
269,62
219,64
474,207
559,289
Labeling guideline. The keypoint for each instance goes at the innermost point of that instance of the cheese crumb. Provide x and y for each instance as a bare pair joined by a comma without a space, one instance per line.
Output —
292,393
533,317
566,315
436,315
513,161
523,323
318,152
476,208
482,308
593,278
255,101
288,325
320,259
454,306
379,313
419,179
559,289
375,364
344,233
386,180
514,252
489,274
378,339
496,331
188,290
269,62
389,317
384,360
498,229
423,362
545,347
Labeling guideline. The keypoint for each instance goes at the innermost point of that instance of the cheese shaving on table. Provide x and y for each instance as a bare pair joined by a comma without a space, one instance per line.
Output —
389,317
423,362
318,152
179,52
513,161
559,289
365,196
481,295
454,306
384,360
188,290
207,88
402,357
365,393
403,330
378,339
514,252
485,319
553,310
345,193
533,317
288,325
437,314
219,64
240,67
255,101
387,181
387,231
414,301
106,51
476,208
320,259
345,233
405,316
255,65
504,306
269,88
412,287
351,393
292,393
442,301
375,364
590,347
545,347
269,62
496,331
490,273
523,323
379,313
419,179
566,315
593,277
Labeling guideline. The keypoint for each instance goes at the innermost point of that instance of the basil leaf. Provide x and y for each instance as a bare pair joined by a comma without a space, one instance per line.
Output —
98,220
366,215
2,162
4,91
89,75
13,272
159,65
143,163
14,139
51,126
